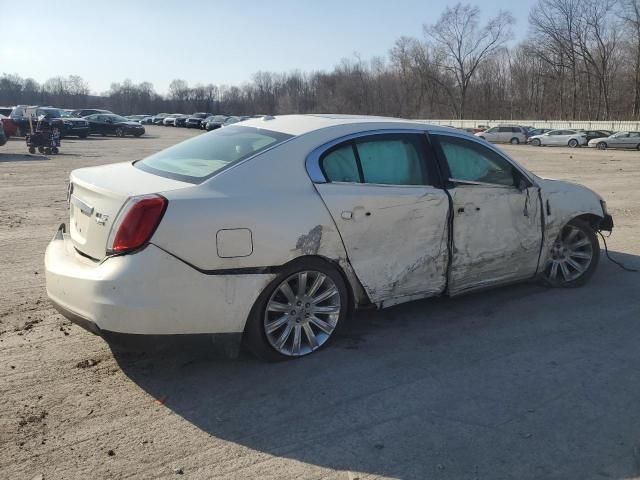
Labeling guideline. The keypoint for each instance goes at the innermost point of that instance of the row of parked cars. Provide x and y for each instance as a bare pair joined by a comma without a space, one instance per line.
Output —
71,123
538,137
203,120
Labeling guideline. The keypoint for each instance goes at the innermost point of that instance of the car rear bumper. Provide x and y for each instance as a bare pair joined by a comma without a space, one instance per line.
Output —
146,293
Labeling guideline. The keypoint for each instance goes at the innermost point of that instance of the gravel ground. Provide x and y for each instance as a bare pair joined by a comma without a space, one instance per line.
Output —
518,382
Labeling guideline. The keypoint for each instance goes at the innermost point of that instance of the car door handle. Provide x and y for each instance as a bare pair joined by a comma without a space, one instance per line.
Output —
347,215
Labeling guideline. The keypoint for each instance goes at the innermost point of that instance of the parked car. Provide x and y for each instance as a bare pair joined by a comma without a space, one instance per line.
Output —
504,134
232,120
136,118
193,239
571,138
536,131
617,140
147,120
9,126
6,111
215,122
180,120
112,124
3,136
67,125
159,118
195,120
591,134
169,120
83,112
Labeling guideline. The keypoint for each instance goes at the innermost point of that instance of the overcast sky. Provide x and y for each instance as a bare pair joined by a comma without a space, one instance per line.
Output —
220,42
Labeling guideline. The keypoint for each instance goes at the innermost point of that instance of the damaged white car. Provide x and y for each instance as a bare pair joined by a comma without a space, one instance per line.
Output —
274,229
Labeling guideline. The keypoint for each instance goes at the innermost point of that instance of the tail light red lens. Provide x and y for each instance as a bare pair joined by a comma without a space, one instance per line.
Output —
136,223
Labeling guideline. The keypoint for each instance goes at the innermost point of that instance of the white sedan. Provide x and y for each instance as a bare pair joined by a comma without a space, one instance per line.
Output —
559,138
275,229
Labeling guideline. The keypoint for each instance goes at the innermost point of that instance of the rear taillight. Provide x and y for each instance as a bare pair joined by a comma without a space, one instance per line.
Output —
136,223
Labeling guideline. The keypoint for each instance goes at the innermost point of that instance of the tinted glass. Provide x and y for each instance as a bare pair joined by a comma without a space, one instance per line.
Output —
473,162
340,164
504,129
392,160
201,157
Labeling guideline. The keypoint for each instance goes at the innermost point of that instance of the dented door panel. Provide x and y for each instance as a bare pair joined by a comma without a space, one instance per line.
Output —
496,236
395,237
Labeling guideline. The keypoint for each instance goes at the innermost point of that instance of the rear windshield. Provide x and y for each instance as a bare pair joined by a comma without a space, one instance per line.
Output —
205,155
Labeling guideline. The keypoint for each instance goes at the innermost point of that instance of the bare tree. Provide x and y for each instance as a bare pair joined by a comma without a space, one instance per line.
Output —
463,45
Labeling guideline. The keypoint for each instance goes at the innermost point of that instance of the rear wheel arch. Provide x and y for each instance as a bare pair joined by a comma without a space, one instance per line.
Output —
355,291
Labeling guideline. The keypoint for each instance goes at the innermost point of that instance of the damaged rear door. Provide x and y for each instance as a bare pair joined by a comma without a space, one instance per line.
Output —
381,192
497,230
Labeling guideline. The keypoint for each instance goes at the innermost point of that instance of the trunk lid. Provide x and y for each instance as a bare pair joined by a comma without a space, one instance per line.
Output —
98,193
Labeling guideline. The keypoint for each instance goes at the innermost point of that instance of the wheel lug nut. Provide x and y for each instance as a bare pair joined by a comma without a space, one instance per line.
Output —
308,305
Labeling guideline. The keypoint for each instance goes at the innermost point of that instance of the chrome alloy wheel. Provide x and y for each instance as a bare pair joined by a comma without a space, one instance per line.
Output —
302,313
570,257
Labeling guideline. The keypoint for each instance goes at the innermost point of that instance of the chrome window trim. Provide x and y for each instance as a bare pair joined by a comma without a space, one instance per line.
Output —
481,184
488,145
312,162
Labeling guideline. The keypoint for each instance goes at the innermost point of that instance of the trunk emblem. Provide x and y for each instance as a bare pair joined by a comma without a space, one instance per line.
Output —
101,219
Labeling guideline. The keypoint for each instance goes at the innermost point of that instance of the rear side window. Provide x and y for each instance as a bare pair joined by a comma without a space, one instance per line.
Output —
394,159
340,164
201,157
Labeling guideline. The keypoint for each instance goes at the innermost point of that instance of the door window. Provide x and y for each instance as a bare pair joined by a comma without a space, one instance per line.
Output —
470,161
340,164
393,159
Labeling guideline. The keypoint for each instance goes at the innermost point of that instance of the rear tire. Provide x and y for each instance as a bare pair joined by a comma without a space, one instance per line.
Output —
514,141
574,256
32,150
573,143
297,313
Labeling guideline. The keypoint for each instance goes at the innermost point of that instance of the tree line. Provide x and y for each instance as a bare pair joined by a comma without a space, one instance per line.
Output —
579,61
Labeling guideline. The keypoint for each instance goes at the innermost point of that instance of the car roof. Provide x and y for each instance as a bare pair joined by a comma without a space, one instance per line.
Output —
301,124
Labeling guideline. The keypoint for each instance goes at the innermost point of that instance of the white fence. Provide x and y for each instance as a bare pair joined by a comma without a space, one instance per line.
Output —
554,124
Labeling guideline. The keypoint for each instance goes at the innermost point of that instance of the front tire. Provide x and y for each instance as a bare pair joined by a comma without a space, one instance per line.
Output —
601,146
574,256
299,312
536,142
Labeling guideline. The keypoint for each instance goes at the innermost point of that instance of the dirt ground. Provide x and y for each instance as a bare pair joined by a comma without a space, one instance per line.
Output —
519,382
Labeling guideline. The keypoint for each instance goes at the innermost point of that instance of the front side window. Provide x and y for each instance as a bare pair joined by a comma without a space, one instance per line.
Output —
470,161
201,157
390,159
